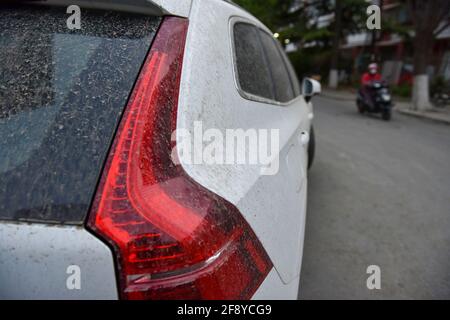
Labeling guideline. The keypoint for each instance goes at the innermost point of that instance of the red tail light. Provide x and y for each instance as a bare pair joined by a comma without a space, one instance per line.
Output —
173,239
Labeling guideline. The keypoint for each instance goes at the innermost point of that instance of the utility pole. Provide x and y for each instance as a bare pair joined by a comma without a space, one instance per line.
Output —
376,35
333,77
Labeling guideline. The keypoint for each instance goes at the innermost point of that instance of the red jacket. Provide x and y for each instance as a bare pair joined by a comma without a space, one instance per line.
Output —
367,78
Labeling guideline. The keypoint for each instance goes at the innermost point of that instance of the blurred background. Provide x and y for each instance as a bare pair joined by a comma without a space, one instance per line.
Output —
378,192
325,35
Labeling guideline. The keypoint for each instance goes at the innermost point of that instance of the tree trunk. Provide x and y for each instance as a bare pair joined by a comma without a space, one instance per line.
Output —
423,44
333,78
421,93
426,17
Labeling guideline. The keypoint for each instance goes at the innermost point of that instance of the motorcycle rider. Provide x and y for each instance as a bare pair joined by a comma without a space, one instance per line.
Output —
366,81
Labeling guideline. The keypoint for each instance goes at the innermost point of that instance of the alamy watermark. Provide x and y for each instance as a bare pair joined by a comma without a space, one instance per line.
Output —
374,19
73,281
74,20
374,280
228,147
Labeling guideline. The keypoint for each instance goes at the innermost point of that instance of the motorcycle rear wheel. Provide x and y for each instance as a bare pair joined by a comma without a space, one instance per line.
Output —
360,106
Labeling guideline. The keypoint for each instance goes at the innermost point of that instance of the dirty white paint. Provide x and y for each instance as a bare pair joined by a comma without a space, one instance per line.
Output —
179,8
274,206
274,289
34,259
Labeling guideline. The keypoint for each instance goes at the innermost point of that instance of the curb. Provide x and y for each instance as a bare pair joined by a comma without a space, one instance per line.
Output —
428,116
330,96
417,114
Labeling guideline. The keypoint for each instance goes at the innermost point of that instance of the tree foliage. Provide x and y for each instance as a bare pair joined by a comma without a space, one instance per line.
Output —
429,18
302,21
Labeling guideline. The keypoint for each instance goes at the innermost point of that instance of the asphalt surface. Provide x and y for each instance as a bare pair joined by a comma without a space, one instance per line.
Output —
379,194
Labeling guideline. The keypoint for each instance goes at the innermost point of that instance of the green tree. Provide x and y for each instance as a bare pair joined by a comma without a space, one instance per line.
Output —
429,18
301,21
289,18
349,18
267,11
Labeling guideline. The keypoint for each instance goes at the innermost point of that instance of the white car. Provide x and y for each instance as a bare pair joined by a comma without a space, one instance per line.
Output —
95,203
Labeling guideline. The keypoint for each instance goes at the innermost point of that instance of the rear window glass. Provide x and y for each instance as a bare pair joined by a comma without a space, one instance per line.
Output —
281,79
253,72
292,74
62,93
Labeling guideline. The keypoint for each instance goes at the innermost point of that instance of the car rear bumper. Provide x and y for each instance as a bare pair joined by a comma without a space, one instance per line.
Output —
50,262
274,289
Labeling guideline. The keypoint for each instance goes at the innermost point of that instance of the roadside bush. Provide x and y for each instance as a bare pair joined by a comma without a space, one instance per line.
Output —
404,91
439,85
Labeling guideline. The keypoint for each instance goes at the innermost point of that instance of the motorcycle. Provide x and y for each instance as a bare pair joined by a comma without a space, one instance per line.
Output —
381,100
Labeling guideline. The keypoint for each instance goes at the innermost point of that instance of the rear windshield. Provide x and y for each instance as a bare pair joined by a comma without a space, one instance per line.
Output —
62,93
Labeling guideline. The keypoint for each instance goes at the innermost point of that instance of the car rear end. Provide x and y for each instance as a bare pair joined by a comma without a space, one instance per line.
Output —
92,204
61,98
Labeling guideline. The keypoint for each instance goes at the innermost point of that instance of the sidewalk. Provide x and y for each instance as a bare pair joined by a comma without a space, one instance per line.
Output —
404,107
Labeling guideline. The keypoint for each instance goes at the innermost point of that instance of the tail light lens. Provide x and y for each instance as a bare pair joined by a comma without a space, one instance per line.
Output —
173,239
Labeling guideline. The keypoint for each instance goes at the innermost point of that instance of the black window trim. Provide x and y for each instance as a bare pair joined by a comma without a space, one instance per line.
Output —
246,95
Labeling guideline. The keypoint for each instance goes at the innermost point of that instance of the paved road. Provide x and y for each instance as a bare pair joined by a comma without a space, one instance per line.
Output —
379,194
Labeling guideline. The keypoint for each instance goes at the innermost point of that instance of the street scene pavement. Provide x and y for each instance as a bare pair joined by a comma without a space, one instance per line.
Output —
379,194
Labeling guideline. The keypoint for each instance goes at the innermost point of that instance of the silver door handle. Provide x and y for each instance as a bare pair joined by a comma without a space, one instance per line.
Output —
304,138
